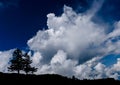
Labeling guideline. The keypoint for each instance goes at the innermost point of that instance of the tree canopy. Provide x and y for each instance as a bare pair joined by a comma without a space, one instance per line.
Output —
20,62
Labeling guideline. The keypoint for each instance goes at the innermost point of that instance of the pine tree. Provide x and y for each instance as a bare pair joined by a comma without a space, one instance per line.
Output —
27,66
27,63
21,62
17,61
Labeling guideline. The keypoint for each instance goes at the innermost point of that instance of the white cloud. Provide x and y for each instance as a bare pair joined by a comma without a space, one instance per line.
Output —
59,58
44,69
73,33
61,65
96,70
117,65
36,58
4,60
91,69
71,43
116,31
83,71
99,67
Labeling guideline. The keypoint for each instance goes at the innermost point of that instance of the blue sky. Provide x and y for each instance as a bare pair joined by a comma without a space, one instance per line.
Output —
21,19
66,37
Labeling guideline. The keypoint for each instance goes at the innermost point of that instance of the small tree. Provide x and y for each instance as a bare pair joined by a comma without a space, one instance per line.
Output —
17,61
27,66
21,62
27,63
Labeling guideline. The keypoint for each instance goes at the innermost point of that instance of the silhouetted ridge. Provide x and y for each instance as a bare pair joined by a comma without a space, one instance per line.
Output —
30,79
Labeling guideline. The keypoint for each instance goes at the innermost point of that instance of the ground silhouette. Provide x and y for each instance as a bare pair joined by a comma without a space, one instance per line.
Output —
30,79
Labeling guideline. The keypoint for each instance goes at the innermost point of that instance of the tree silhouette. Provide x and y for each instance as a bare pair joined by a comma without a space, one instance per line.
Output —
21,62
17,61
27,63
27,66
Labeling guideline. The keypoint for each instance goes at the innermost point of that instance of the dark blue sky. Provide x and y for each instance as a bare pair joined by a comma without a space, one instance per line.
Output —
21,19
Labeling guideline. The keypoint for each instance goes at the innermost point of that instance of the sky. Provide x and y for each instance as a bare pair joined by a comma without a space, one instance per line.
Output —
21,19
66,37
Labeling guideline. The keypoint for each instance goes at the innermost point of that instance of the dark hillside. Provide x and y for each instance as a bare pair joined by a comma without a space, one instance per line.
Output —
15,79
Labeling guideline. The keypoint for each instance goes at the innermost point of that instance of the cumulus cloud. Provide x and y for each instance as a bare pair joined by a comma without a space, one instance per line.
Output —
71,43
93,69
71,32
74,45
59,64
36,58
5,57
